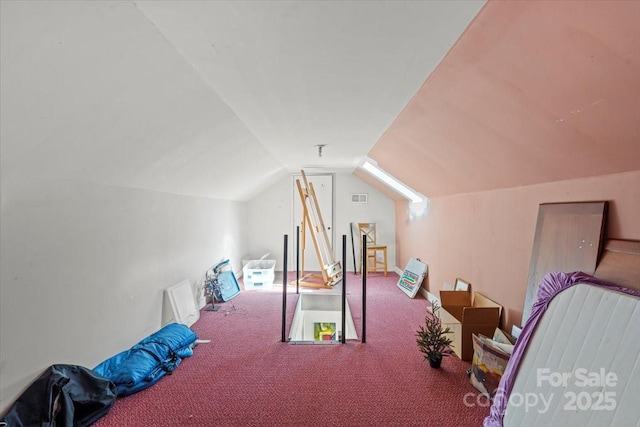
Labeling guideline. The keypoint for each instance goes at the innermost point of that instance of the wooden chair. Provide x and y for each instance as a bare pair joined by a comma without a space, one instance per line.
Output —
368,229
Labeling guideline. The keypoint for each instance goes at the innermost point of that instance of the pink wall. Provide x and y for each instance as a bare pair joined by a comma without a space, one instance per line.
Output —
532,92
487,237
537,102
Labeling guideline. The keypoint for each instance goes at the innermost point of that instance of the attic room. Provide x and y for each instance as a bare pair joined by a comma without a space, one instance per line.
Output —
143,142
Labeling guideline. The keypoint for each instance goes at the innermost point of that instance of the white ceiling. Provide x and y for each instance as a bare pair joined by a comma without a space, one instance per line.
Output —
212,99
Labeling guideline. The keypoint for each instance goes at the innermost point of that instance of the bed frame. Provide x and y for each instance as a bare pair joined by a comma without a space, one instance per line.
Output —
577,361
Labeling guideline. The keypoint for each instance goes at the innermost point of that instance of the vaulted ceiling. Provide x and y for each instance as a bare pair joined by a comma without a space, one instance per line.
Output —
219,99
210,98
533,92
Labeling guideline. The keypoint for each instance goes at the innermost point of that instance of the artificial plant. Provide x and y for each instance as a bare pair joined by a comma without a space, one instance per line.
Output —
432,338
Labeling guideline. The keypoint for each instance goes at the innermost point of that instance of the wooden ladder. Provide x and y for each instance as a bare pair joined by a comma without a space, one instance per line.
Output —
331,270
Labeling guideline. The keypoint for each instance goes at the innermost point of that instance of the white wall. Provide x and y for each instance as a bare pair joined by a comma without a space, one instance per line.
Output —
270,215
83,268
103,122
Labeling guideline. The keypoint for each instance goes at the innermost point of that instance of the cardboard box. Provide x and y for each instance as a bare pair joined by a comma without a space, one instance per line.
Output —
466,316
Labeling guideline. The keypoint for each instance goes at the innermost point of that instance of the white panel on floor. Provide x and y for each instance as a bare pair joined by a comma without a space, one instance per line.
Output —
182,303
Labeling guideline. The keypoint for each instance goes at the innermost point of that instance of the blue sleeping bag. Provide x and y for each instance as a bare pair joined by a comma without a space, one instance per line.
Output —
151,359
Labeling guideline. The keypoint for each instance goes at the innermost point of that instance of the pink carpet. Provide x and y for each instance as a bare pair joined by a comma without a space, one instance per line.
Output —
247,377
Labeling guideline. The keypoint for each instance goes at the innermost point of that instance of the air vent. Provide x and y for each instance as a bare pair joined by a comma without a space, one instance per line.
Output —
359,198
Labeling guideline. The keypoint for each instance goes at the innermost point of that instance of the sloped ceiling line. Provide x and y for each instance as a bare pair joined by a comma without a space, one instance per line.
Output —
306,73
201,74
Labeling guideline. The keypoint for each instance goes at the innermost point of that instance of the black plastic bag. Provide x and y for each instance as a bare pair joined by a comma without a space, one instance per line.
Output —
63,396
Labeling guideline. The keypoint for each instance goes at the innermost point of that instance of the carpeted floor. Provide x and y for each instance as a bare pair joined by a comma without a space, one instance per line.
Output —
247,377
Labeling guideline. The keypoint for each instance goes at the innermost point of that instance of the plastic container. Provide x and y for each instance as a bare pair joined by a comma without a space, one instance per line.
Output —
259,274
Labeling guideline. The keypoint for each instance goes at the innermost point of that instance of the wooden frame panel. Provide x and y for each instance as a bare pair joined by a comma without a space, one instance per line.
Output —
569,237
620,263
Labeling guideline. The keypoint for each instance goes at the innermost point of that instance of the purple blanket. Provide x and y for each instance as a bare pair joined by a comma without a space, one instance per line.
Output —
551,285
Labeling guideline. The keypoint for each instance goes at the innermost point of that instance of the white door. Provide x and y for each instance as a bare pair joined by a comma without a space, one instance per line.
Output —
323,187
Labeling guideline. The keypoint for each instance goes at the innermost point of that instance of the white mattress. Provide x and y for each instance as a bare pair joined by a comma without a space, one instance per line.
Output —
586,332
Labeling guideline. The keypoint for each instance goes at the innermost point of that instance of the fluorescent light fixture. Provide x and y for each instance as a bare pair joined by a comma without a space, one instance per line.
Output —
392,182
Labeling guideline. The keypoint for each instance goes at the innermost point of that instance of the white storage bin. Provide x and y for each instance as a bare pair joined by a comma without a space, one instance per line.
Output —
259,274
